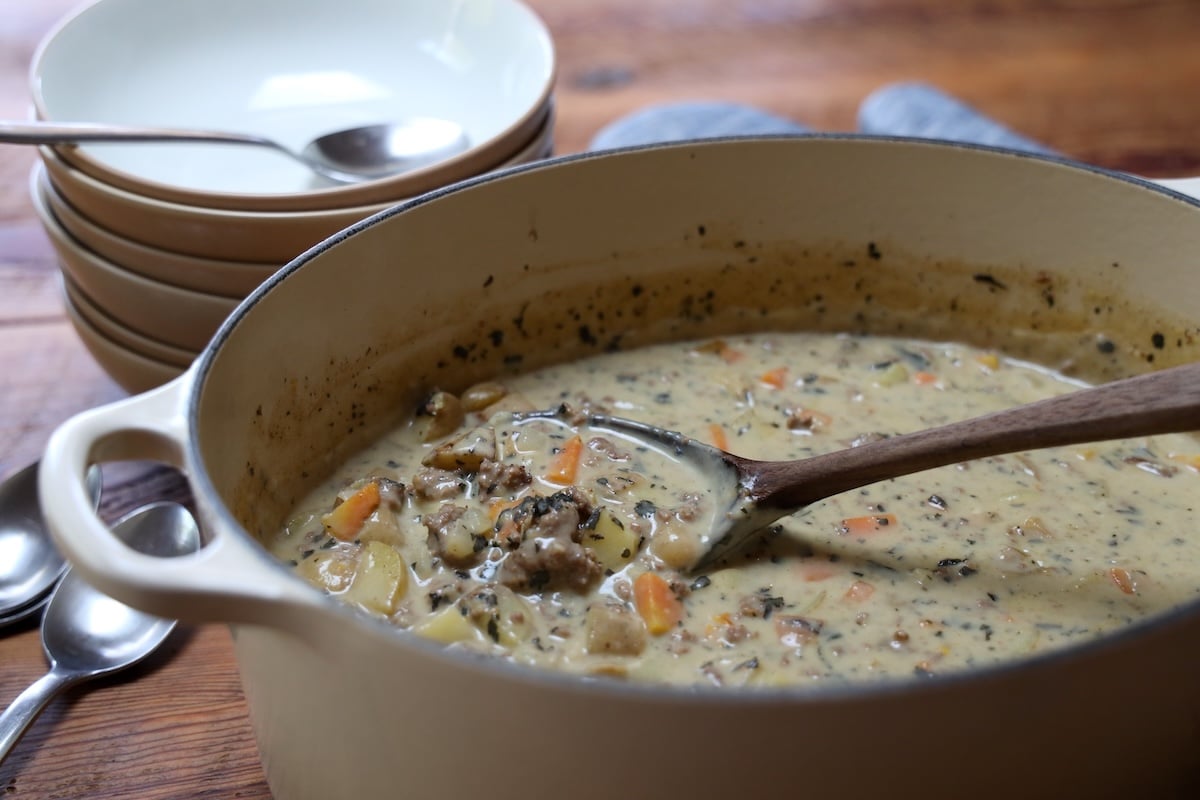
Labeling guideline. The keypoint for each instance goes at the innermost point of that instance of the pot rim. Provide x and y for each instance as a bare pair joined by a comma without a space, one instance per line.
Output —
801,694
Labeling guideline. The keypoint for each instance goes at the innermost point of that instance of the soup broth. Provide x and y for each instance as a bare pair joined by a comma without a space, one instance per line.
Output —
565,548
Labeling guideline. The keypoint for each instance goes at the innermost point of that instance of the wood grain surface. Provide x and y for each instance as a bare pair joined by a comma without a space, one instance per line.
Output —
1111,82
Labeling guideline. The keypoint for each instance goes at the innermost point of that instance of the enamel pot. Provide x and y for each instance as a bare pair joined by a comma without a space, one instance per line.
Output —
576,255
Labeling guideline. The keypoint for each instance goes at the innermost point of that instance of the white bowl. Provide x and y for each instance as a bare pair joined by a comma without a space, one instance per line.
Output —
291,70
230,278
271,237
179,317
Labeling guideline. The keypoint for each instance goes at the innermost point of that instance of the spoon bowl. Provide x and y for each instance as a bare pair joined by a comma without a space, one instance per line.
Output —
351,155
749,495
29,563
87,634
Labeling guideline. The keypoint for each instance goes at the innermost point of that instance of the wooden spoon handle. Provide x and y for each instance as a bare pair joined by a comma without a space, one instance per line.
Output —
1167,401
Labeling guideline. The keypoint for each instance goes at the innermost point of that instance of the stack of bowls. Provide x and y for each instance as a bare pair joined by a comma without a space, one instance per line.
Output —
158,243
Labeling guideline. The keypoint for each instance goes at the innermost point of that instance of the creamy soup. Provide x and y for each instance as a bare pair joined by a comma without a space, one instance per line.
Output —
565,547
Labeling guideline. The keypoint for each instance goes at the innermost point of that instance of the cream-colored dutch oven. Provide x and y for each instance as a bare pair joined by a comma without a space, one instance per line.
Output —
561,260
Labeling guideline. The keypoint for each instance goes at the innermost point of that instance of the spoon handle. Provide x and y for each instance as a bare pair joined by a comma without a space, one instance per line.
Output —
1167,401
76,132
29,703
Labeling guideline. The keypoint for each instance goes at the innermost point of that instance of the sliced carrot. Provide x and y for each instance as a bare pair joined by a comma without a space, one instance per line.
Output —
924,378
807,419
775,378
1124,581
813,573
730,355
868,525
719,622
716,435
656,603
859,591
565,464
721,348
498,505
347,518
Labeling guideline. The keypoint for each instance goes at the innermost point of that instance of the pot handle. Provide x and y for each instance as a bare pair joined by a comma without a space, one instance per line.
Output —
1188,186
229,579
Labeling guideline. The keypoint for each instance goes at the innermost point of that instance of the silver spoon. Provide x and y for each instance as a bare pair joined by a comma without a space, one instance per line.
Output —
86,634
29,564
346,156
759,492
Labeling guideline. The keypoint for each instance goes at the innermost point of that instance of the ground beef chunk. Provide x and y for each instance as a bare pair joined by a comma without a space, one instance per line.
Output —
689,509
547,565
494,475
437,484
760,604
440,520
549,555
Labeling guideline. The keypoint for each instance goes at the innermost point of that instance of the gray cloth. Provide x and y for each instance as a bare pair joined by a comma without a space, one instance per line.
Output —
691,120
903,109
914,109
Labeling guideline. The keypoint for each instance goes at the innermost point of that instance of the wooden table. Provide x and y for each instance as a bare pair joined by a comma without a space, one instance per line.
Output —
1106,81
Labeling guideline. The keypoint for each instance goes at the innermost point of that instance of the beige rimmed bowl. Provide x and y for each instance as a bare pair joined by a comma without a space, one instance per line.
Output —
214,233
179,317
133,371
229,278
291,70
271,237
77,301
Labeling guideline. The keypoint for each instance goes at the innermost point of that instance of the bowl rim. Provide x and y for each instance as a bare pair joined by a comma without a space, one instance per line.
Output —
478,158
152,262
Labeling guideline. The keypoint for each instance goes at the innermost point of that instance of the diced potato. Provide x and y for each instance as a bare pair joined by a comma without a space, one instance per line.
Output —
500,614
488,615
380,580
381,526
465,452
449,626
482,395
347,518
892,375
677,548
989,361
459,540
613,543
331,570
442,414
